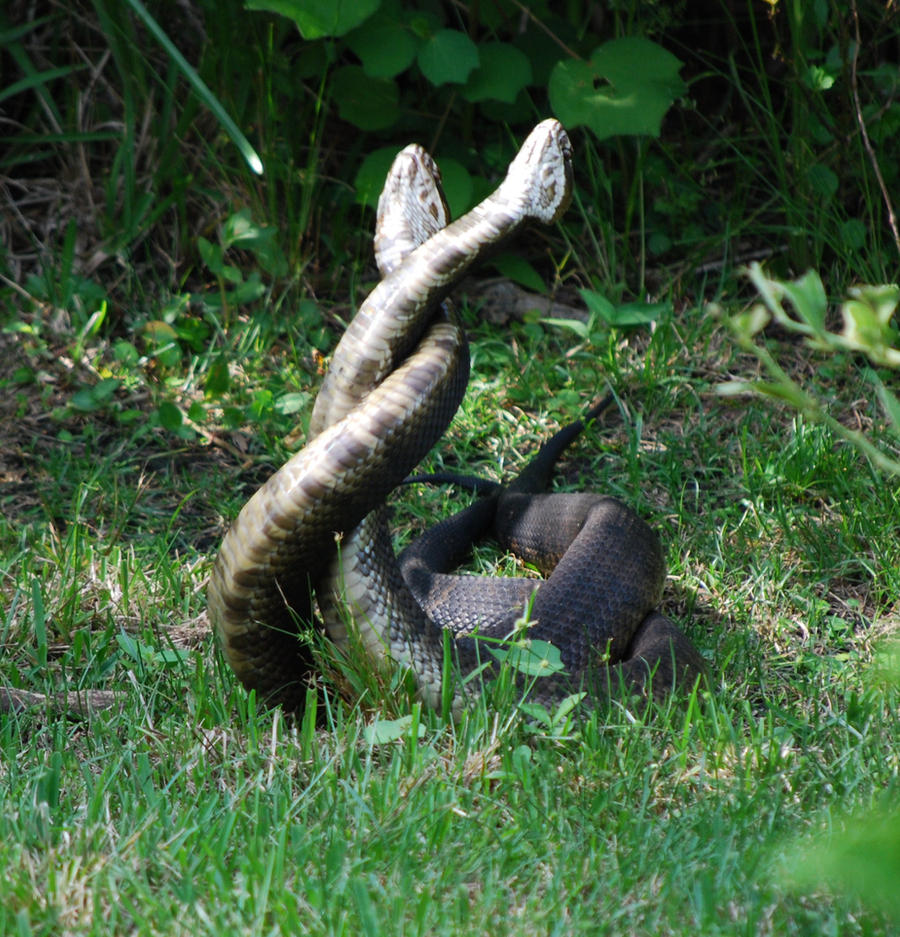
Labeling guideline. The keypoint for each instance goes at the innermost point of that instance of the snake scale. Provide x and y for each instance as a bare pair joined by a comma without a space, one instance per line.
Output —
317,527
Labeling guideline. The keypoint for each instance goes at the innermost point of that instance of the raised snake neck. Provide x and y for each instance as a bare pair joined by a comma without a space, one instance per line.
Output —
389,323
396,379
394,384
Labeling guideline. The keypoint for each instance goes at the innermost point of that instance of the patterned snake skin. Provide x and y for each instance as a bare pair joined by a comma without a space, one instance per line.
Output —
317,526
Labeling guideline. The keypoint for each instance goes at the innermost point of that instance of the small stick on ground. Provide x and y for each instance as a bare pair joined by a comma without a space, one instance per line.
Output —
76,703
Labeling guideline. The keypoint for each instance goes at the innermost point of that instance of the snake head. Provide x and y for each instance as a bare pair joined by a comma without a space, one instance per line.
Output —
411,207
541,173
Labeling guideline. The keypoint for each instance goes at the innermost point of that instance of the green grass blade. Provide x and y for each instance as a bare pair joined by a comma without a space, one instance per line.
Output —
37,80
201,88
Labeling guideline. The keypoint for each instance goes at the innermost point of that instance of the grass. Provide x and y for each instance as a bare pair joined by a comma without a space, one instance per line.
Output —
144,399
189,810
251,828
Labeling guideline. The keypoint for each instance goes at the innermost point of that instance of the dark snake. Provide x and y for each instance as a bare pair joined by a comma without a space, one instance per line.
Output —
317,527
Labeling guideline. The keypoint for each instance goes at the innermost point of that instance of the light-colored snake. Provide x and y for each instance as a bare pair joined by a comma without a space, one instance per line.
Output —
317,526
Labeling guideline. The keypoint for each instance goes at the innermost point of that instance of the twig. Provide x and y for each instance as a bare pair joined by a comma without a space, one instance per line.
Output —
15,286
527,12
75,703
892,218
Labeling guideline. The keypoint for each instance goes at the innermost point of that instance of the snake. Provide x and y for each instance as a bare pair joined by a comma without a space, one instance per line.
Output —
316,532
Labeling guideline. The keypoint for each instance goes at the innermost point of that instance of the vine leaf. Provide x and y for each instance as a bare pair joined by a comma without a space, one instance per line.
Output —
458,186
503,72
448,56
625,88
369,180
366,102
318,18
385,46
371,175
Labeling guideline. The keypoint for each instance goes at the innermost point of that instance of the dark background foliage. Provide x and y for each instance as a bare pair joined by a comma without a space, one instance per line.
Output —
110,161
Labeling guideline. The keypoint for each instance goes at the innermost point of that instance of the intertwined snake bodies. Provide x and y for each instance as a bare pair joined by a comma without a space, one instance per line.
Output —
395,381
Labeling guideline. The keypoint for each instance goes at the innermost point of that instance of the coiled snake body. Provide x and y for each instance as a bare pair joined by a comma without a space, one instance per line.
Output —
396,379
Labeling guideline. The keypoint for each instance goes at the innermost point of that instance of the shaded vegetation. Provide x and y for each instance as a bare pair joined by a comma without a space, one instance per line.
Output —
166,318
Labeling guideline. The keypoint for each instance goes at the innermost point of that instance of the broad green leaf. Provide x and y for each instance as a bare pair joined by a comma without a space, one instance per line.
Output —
822,180
159,333
193,332
261,403
573,325
318,18
371,175
270,255
232,274
625,88
625,314
457,182
125,353
448,56
130,647
503,71
531,658
523,759
734,388
861,857
169,416
516,268
457,185
197,412
171,656
241,230
389,730
212,255
176,306
750,323
217,378
105,388
639,313
807,294
309,315
890,404
252,288
162,340
233,417
853,233
867,321
598,305
292,402
818,78
883,299
84,400
366,102
537,712
566,706
244,292
385,46
658,243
